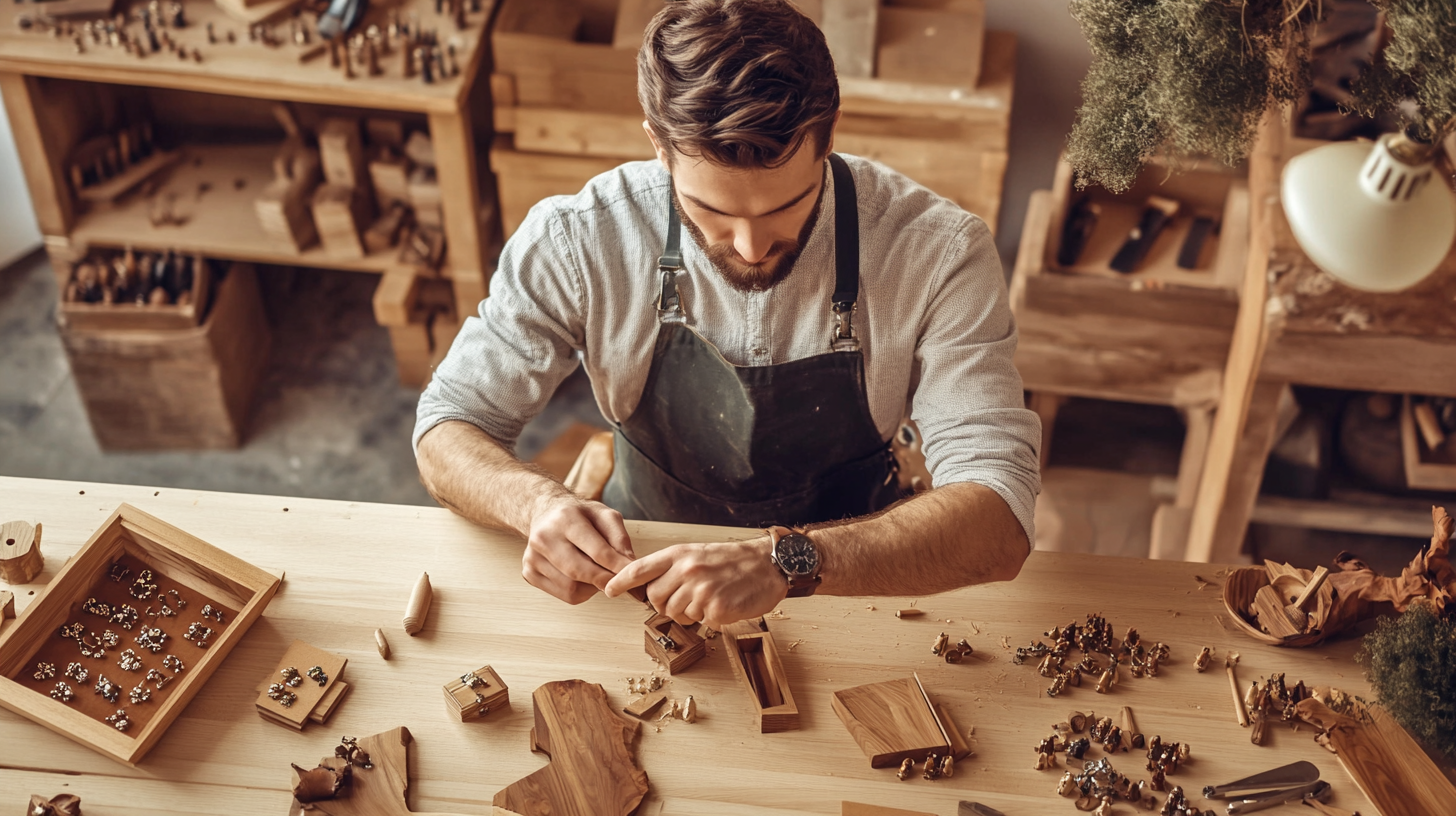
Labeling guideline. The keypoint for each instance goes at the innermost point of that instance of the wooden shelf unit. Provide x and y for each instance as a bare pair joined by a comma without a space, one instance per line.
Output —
39,75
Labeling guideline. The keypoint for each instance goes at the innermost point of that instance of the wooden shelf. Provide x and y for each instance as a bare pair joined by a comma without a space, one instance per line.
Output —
245,68
221,222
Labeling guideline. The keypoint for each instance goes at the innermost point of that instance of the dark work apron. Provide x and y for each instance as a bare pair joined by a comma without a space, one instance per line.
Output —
790,444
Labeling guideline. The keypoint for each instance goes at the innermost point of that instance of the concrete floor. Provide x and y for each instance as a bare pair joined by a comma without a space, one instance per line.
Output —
331,421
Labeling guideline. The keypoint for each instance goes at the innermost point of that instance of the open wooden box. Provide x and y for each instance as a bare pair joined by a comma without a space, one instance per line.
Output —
755,660
200,571
133,317
1425,469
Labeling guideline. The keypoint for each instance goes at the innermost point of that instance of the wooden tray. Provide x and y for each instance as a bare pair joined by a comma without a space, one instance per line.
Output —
1425,469
128,316
202,573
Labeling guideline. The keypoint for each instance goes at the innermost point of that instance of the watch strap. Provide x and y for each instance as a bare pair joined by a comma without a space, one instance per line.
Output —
800,586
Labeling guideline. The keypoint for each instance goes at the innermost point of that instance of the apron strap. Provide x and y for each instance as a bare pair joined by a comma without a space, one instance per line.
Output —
846,256
669,303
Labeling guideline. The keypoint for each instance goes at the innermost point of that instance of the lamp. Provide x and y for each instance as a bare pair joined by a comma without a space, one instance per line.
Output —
1377,218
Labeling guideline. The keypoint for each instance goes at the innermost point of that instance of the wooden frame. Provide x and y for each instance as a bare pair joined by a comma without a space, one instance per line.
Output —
185,560
1425,469
755,660
690,646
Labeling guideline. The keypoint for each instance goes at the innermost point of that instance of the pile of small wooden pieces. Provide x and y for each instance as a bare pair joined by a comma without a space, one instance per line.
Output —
1092,638
1099,785
1275,699
935,767
156,24
952,654
145,279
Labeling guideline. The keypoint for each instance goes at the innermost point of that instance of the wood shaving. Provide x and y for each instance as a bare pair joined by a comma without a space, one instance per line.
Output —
870,607
795,644
777,614
1005,643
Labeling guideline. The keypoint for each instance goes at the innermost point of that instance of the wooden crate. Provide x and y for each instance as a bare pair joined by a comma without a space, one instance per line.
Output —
1425,469
188,388
561,89
204,573
129,316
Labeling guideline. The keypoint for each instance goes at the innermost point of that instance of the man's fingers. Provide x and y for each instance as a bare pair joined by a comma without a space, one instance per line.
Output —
640,572
543,575
609,523
586,536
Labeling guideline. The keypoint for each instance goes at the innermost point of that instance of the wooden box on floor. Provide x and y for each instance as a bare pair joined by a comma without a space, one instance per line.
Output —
1426,468
189,388
112,316
565,93
197,568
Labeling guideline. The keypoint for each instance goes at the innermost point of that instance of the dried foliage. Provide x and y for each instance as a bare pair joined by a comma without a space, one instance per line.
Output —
1182,78
1412,660
1419,64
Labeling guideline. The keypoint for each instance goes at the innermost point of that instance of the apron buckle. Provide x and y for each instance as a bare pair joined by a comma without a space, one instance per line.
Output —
669,303
842,338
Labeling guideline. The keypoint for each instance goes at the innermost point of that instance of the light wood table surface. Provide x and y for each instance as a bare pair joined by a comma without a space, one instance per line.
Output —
349,569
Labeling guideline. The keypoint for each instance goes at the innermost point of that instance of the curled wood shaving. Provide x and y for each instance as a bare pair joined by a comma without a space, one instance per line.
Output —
795,644
1005,643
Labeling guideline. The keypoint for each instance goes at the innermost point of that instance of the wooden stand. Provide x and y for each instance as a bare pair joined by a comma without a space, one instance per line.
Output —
20,558
209,574
892,721
475,694
687,646
755,660
592,770
309,695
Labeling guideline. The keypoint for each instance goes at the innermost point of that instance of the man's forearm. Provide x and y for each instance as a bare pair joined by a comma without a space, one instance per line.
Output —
946,538
471,473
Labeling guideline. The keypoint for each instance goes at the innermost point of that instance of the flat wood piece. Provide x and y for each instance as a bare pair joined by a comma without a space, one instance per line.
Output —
861,809
330,702
755,659
20,557
376,791
642,707
302,657
688,646
891,721
960,746
341,149
593,771
122,183
7,605
933,46
849,27
1269,609
79,8
1390,767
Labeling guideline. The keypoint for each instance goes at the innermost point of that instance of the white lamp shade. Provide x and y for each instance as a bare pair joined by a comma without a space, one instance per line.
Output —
1368,218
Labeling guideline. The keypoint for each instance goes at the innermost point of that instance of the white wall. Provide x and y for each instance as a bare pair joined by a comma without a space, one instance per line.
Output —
19,233
1051,59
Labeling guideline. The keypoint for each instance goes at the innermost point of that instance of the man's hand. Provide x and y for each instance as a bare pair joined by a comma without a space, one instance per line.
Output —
713,583
574,548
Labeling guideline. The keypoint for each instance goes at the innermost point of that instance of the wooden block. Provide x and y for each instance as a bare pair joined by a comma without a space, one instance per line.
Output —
934,46
390,174
7,605
338,212
424,196
643,707
419,149
473,695
687,646
849,27
959,747
423,248
860,809
559,19
892,721
79,8
20,557
755,660
384,233
329,703
283,207
592,468
396,299
632,19
383,130
302,657
341,150
592,770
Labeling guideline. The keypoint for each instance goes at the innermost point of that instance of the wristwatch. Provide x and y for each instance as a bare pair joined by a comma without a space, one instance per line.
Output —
795,554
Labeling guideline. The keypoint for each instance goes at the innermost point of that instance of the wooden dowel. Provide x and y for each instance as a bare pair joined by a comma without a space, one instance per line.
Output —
419,605
910,613
380,642
1429,425
1307,597
1229,662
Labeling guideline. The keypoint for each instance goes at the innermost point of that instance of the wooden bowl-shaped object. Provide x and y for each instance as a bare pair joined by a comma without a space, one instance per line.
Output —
1241,585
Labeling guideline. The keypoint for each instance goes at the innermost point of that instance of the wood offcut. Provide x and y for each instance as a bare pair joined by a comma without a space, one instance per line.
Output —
20,558
891,721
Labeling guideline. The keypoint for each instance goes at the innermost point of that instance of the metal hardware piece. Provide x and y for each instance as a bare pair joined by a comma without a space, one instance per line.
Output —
1293,774
1319,790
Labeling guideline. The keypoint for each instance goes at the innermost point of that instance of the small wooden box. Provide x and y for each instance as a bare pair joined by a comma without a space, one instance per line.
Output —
687,646
193,388
474,703
103,316
1425,469
204,573
755,659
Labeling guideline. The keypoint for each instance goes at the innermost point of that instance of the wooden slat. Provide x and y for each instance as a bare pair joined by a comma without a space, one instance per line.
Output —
50,193
849,28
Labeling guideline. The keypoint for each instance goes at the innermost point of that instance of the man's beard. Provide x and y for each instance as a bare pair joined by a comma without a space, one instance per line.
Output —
775,265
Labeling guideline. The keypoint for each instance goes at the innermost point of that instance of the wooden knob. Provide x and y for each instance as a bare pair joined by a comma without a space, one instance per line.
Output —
20,558
419,605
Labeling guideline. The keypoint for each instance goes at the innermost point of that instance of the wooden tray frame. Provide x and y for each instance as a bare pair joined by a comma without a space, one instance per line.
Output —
187,561
1424,469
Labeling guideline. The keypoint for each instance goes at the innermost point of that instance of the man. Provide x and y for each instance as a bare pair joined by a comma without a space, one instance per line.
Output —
754,372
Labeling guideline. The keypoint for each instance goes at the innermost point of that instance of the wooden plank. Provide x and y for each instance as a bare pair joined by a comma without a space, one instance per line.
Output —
861,809
454,145
50,194
849,27
1342,516
583,133
1363,362
931,45
396,299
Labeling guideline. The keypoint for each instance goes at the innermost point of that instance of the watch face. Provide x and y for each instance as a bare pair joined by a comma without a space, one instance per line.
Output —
797,555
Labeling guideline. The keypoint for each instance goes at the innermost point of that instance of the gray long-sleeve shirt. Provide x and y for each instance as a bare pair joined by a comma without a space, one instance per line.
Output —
578,284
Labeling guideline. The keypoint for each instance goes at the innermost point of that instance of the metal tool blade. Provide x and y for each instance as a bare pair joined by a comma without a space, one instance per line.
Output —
977,809
1315,790
1295,773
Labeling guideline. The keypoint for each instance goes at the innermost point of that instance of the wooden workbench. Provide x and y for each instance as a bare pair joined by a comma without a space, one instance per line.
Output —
349,568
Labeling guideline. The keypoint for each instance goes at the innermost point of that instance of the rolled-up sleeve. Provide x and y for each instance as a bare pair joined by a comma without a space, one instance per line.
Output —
968,402
508,360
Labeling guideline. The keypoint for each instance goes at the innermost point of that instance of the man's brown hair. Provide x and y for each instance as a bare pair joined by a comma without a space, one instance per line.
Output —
741,83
